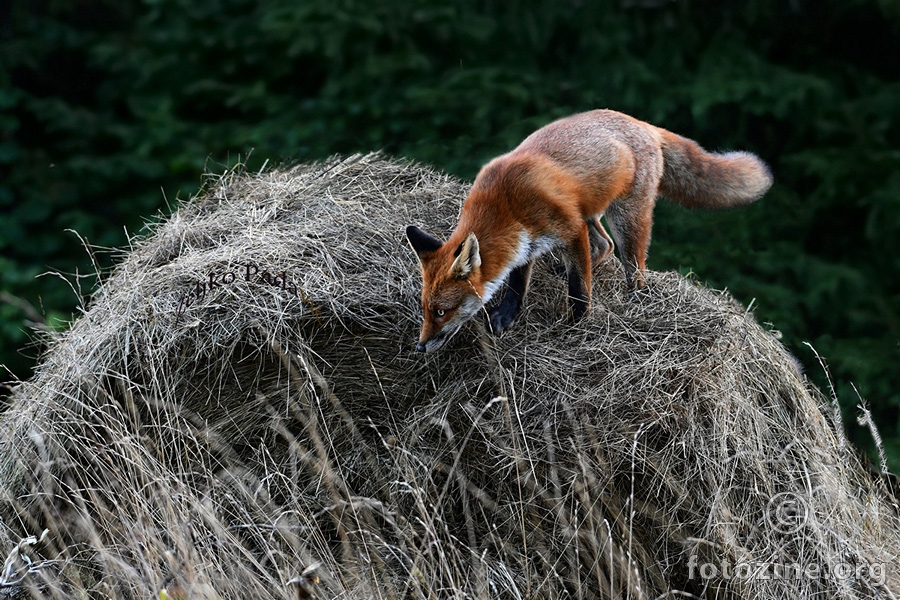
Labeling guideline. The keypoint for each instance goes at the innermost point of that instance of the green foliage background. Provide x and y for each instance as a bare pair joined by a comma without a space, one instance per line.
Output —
113,108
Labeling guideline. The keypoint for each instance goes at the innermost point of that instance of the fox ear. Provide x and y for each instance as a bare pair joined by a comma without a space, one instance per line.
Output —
421,242
468,258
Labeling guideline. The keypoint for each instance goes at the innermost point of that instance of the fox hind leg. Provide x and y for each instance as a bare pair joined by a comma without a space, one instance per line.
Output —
601,244
630,222
503,315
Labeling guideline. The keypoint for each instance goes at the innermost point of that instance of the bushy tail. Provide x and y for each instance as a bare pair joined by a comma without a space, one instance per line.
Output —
696,178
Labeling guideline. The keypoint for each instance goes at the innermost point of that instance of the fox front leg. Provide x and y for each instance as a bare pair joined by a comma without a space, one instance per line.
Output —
504,314
579,274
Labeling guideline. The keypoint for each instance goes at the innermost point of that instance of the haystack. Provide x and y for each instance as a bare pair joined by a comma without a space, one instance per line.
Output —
240,413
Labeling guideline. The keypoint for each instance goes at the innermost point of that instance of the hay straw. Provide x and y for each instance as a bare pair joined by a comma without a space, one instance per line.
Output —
265,438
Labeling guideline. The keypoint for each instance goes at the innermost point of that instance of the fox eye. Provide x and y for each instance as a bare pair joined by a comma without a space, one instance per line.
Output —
440,312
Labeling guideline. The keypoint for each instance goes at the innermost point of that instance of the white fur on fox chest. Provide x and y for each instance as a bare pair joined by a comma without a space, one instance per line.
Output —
527,250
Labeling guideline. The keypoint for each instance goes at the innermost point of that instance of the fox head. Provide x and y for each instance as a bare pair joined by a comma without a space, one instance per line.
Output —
452,285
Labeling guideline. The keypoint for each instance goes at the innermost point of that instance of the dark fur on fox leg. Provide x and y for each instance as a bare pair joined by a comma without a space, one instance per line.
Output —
503,315
578,296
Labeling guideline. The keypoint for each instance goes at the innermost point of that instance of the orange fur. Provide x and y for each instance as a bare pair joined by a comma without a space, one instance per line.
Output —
549,192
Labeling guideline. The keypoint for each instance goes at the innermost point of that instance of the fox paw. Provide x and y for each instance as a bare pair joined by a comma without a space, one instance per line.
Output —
501,319
638,293
559,268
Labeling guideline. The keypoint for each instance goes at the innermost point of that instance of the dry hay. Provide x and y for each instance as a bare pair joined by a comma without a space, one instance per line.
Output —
217,442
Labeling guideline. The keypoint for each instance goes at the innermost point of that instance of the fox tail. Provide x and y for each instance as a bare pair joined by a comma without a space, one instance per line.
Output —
696,178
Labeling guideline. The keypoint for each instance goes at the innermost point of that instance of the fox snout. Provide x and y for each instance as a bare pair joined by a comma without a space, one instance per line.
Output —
428,342
429,335
438,329
431,345
434,334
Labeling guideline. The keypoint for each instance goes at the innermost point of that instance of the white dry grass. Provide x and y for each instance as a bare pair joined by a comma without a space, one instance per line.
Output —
216,443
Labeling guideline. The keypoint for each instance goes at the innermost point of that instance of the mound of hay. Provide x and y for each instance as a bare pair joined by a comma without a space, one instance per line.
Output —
241,410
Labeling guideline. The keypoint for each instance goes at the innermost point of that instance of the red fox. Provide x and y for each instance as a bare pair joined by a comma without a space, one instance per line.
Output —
549,193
